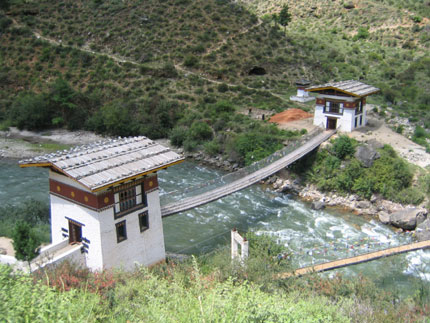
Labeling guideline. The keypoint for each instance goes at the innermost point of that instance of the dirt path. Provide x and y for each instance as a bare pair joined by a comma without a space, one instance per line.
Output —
178,67
407,149
6,245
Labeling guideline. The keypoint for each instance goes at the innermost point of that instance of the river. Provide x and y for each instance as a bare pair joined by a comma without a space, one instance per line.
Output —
309,236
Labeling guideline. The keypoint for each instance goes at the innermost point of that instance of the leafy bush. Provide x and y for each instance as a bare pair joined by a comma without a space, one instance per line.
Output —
31,111
22,300
191,61
33,212
200,131
362,33
178,135
212,148
387,176
410,195
343,146
25,241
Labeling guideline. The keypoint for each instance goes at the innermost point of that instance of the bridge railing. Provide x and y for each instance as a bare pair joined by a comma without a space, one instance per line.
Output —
231,177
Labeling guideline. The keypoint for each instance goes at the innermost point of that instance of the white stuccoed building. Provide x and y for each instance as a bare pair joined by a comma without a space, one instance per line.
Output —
105,207
341,105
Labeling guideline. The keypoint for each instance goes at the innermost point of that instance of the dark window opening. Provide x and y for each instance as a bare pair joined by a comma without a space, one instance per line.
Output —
127,199
333,107
75,232
144,221
361,120
121,232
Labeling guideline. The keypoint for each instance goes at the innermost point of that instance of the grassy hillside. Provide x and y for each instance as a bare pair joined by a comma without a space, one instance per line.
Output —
385,43
160,65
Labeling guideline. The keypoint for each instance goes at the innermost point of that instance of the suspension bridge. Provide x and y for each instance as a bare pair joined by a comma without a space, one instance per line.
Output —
253,174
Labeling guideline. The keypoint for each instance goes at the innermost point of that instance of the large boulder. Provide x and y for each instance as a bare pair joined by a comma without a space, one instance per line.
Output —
318,205
408,219
423,231
366,155
384,217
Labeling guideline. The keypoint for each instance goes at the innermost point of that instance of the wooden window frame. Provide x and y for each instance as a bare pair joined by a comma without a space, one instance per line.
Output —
118,227
143,221
123,206
333,107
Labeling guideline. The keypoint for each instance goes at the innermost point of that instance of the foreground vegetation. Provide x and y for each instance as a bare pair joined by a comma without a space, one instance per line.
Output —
208,288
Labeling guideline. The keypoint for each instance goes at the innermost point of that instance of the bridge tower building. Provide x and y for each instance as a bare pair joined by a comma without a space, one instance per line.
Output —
341,105
105,205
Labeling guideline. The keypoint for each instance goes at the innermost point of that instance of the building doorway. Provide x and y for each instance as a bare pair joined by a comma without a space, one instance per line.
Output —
75,232
331,123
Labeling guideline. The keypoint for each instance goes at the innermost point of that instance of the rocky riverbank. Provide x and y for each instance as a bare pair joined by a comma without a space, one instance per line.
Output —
402,217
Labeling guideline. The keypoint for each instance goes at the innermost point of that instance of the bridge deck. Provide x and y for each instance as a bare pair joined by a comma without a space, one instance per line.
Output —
248,180
358,259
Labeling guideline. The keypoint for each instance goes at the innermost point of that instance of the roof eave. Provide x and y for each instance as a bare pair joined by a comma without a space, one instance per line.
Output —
103,187
343,91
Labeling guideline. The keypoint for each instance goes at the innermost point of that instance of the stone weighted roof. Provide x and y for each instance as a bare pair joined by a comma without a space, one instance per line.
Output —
351,87
108,162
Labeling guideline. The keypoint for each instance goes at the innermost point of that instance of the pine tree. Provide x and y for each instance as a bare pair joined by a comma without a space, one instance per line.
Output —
284,17
25,242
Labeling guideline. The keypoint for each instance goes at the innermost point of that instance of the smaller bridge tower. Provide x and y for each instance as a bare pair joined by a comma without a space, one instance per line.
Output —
341,105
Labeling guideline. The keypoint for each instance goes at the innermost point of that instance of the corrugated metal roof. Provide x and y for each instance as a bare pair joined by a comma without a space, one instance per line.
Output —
107,162
351,87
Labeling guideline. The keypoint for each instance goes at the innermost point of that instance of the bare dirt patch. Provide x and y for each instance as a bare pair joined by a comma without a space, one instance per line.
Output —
294,119
407,149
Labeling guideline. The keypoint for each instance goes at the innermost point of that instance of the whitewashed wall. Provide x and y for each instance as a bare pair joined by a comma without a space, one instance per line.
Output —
62,209
345,122
146,248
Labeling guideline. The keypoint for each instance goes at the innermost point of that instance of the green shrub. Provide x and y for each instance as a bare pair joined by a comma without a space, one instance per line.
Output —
190,61
22,300
31,111
343,146
410,195
200,131
178,135
362,33
222,88
212,148
25,241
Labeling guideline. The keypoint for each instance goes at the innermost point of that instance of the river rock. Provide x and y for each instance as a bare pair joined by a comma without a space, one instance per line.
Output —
318,205
363,205
3,251
366,155
375,144
408,219
384,217
422,232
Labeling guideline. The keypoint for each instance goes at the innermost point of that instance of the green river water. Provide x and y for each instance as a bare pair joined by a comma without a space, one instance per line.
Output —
309,236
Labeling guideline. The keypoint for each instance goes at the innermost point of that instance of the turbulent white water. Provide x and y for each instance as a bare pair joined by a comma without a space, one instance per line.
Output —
309,236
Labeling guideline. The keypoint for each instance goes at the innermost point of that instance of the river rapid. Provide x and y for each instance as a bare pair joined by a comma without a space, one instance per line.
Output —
309,236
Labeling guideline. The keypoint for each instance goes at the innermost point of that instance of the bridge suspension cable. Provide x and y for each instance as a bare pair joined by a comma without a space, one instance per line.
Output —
247,176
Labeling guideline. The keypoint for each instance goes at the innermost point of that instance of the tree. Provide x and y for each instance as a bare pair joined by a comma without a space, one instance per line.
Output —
284,16
4,4
25,242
